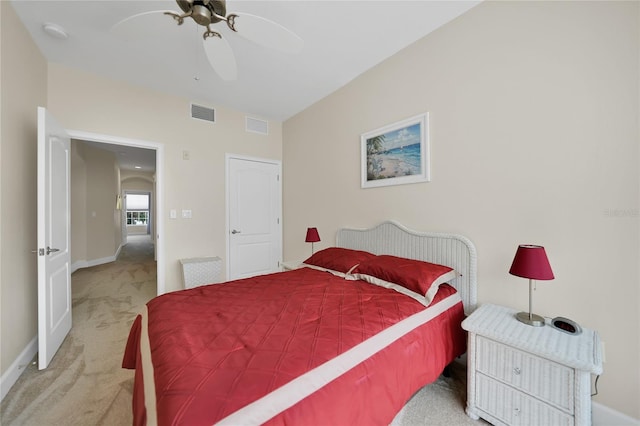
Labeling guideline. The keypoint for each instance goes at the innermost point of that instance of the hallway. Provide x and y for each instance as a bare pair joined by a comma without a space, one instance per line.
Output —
85,384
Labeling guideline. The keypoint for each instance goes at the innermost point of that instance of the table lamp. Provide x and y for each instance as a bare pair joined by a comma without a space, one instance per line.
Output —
312,237
531,262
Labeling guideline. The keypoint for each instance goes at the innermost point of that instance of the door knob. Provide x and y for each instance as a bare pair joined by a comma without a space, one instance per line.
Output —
236,231
51,250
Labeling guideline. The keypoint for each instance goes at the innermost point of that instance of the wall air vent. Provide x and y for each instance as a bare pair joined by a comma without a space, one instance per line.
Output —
255,125
203,113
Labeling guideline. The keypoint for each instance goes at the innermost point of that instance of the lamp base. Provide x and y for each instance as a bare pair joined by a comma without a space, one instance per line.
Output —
530,319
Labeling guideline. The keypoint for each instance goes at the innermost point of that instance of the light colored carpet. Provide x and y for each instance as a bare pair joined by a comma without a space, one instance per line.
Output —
85,384
440,403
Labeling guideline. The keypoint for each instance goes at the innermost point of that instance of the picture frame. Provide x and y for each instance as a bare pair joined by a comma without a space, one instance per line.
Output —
396,154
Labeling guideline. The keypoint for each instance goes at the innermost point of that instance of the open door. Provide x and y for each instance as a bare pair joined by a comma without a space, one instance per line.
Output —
54,255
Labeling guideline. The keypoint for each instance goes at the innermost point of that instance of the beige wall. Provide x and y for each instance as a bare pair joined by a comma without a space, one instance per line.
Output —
137,182
137,230
534,139
23,86
89,103
103,220
96,225
78,185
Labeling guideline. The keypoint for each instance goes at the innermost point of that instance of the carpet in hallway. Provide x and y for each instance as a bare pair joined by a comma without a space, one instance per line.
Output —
85,384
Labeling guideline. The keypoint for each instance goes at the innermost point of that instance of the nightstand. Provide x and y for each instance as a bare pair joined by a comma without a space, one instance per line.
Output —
523,375
291,264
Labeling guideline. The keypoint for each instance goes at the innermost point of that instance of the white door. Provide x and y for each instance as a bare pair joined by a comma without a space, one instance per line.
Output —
254,196
54,275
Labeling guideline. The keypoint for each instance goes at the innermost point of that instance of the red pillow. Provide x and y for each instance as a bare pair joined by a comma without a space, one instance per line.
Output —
338,259
421,277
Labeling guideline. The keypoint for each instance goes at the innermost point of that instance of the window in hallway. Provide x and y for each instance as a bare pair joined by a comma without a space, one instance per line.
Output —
137,209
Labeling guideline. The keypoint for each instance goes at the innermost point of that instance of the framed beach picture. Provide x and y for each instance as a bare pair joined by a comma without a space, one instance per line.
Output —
396,154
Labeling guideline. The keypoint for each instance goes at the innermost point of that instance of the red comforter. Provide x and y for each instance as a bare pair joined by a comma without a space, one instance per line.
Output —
215,349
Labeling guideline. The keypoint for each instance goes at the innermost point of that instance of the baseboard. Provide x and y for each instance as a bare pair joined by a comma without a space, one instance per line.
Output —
605,416
11,376
79,264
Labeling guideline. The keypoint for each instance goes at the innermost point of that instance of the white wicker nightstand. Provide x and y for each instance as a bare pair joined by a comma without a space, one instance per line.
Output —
524,375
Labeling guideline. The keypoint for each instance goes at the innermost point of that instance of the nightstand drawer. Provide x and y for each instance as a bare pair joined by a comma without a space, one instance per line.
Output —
547,380
515,408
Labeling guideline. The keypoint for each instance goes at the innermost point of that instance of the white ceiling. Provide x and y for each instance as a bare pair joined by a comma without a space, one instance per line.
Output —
343,39
129,157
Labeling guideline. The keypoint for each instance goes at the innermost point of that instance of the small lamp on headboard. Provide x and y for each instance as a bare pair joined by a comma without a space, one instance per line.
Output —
312,237
531,262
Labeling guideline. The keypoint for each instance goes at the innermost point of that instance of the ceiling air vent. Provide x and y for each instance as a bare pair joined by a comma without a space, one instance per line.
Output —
203,113
256,125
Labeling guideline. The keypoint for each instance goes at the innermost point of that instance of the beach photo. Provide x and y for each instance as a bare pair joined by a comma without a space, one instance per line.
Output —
396,154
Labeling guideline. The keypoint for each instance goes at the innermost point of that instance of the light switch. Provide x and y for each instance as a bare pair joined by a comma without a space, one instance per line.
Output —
173,214
186,214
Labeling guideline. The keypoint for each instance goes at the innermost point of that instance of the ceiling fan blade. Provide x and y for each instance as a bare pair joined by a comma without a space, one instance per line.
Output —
267,33
144,25
221,58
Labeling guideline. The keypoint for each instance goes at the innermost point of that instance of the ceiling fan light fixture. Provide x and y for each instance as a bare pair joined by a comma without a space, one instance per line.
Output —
201,14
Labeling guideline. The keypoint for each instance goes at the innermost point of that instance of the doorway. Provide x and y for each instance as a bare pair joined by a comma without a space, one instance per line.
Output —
156,205
54,213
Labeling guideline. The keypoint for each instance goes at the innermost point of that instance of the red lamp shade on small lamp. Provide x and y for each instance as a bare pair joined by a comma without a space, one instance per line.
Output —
531,262
312,237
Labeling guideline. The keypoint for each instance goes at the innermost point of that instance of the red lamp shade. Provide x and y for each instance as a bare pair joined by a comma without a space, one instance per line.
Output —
531,262
312,235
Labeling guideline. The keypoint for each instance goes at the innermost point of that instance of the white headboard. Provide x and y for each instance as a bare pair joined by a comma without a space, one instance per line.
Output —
390,237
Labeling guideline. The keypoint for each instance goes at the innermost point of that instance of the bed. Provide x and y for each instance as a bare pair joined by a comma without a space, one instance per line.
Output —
347,338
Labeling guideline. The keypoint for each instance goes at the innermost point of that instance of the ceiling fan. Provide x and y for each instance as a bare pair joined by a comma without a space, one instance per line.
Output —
218,51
